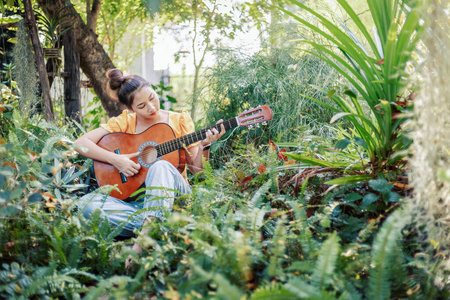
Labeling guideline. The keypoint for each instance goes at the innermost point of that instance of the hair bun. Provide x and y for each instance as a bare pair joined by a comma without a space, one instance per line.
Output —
115,81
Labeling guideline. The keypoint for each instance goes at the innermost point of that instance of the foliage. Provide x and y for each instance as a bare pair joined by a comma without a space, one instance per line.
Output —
25,73
430,168
378,75
260,226
121,21
277,79
95,114
212,21
233,237
53,28
8,104
162,90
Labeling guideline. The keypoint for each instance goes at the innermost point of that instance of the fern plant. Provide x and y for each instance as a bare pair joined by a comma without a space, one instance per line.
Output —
384,253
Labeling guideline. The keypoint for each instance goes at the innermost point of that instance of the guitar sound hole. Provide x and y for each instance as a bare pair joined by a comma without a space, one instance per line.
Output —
149,154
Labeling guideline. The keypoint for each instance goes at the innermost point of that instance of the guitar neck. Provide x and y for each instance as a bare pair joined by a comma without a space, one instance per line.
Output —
191,138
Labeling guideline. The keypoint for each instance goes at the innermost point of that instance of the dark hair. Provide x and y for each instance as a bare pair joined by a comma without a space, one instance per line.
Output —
123,88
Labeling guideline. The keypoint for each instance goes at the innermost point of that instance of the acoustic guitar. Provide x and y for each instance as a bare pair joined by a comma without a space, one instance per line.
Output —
159,142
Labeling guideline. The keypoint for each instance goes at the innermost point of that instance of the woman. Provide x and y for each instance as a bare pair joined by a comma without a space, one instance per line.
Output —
143,111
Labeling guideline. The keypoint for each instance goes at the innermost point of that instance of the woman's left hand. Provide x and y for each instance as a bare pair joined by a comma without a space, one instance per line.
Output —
213,135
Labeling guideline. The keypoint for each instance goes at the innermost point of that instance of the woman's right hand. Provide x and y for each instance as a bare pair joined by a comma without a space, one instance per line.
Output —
125,165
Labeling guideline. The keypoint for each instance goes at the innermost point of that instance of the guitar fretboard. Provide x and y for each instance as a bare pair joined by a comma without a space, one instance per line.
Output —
191,138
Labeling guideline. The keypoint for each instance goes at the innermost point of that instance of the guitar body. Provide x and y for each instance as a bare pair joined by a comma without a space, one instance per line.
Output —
126,143
159,142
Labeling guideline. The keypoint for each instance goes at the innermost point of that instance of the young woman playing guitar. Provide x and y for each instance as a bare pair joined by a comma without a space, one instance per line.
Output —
143,112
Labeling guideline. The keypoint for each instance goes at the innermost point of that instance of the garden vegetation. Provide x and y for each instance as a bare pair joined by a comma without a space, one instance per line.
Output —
343,195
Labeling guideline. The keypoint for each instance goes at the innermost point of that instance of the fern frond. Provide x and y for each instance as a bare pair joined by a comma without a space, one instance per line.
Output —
223,210
46,283
270,292
52,141
75,252
83,275
304,266
326,262
302,289
299,211
106,284
277,249
57,244
117,230
383,253
259,195
225,289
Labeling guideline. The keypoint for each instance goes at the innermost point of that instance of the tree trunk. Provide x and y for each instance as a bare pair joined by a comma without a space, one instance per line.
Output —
72,104
94,61
40,61
92,13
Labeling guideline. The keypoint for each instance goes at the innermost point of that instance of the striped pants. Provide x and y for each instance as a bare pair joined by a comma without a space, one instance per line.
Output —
162,177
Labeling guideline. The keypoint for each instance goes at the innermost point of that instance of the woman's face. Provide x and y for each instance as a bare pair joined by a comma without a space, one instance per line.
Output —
146,104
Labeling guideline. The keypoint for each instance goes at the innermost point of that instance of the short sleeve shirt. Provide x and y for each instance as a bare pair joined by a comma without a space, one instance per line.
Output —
181,124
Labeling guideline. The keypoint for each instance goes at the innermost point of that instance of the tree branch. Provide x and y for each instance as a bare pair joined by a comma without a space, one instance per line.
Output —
92,14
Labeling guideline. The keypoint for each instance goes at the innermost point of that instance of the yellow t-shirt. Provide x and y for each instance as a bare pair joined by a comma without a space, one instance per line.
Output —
181,124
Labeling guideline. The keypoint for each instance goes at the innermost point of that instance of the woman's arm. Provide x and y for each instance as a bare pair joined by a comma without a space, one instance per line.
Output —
87,146
195,155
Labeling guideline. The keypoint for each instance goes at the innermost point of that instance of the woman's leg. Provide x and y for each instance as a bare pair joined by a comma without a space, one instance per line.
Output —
163,177
115,210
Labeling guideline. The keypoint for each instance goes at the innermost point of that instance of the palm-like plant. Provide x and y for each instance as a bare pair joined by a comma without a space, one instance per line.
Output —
378,74
53,27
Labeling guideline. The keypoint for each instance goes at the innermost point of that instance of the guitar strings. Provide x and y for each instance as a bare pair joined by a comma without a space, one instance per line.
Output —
178,143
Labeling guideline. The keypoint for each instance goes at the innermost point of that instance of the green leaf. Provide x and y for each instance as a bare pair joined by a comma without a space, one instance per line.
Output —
394,197
2,180
338,116
342,144
5,195
349,179
369,199
9,210
350,93
325,222
361,142
381,185
35,197
331,93
7,171
171,99
352,197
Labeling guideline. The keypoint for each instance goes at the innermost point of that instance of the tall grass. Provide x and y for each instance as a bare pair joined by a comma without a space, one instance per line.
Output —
277,78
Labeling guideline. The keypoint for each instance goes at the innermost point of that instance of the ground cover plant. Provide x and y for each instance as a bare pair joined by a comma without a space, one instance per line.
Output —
272,220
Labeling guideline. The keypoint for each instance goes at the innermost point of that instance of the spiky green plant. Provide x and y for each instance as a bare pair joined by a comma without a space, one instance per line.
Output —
54,27
378,74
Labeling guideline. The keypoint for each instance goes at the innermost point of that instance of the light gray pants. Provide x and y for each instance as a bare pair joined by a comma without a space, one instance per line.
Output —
162,177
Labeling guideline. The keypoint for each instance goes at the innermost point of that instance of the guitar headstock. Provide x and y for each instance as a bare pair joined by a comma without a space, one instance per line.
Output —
255,115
